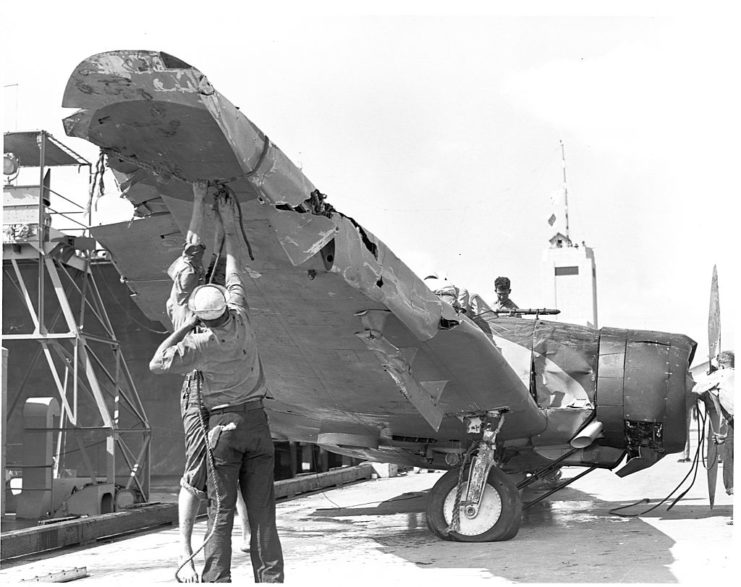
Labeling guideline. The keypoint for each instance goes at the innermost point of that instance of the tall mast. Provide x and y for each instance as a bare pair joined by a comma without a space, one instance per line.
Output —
565,191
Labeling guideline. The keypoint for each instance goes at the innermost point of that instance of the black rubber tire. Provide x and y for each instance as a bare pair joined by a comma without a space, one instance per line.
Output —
505,527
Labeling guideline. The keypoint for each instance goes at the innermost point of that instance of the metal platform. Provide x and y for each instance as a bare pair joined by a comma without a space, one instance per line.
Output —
54,314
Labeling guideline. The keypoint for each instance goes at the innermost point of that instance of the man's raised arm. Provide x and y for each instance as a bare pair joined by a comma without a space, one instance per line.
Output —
226,208
200,189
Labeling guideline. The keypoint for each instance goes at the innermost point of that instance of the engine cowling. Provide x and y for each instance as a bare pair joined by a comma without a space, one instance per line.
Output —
641,396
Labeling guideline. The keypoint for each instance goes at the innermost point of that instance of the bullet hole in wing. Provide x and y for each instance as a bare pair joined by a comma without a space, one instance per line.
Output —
369,244
447,324
379,283
311,273
327,253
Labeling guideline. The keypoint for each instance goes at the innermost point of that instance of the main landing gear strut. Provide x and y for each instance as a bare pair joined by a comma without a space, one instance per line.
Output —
476,502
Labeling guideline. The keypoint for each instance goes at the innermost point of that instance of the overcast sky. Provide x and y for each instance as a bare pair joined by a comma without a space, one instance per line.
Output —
440,132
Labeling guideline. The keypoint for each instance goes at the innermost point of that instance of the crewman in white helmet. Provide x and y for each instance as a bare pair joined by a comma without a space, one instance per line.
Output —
471,304
232,388
447,291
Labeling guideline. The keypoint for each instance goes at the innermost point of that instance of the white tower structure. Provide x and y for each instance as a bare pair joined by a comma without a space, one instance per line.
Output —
569,270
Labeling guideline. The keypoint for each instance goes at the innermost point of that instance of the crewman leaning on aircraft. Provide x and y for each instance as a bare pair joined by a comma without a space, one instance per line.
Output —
447,291
233,388
471,304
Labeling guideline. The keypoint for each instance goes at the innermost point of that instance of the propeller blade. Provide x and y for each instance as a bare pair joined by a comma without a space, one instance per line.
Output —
712,466
713,416
712,409
714,321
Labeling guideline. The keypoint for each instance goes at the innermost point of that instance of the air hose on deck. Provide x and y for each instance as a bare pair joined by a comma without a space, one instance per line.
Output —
211,468
693,471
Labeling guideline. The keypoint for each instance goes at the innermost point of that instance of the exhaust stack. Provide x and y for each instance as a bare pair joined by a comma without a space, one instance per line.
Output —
587,435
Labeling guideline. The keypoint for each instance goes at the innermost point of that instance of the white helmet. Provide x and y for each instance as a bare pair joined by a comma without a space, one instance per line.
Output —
435,280
208,302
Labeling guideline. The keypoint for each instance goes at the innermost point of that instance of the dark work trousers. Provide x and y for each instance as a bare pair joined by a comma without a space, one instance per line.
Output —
725,451
193,414
243,451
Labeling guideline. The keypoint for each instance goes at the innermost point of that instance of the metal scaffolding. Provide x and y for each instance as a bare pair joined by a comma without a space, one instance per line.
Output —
50,273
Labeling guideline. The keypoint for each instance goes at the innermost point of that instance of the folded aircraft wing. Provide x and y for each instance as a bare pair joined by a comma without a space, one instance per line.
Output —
357,350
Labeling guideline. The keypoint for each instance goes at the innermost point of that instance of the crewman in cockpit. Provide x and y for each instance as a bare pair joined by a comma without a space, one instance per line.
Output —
502,289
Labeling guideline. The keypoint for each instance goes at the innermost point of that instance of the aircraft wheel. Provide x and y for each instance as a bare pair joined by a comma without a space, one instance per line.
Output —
498,517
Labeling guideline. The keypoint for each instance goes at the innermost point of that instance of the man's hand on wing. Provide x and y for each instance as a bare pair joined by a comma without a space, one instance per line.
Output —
200,190
226,209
